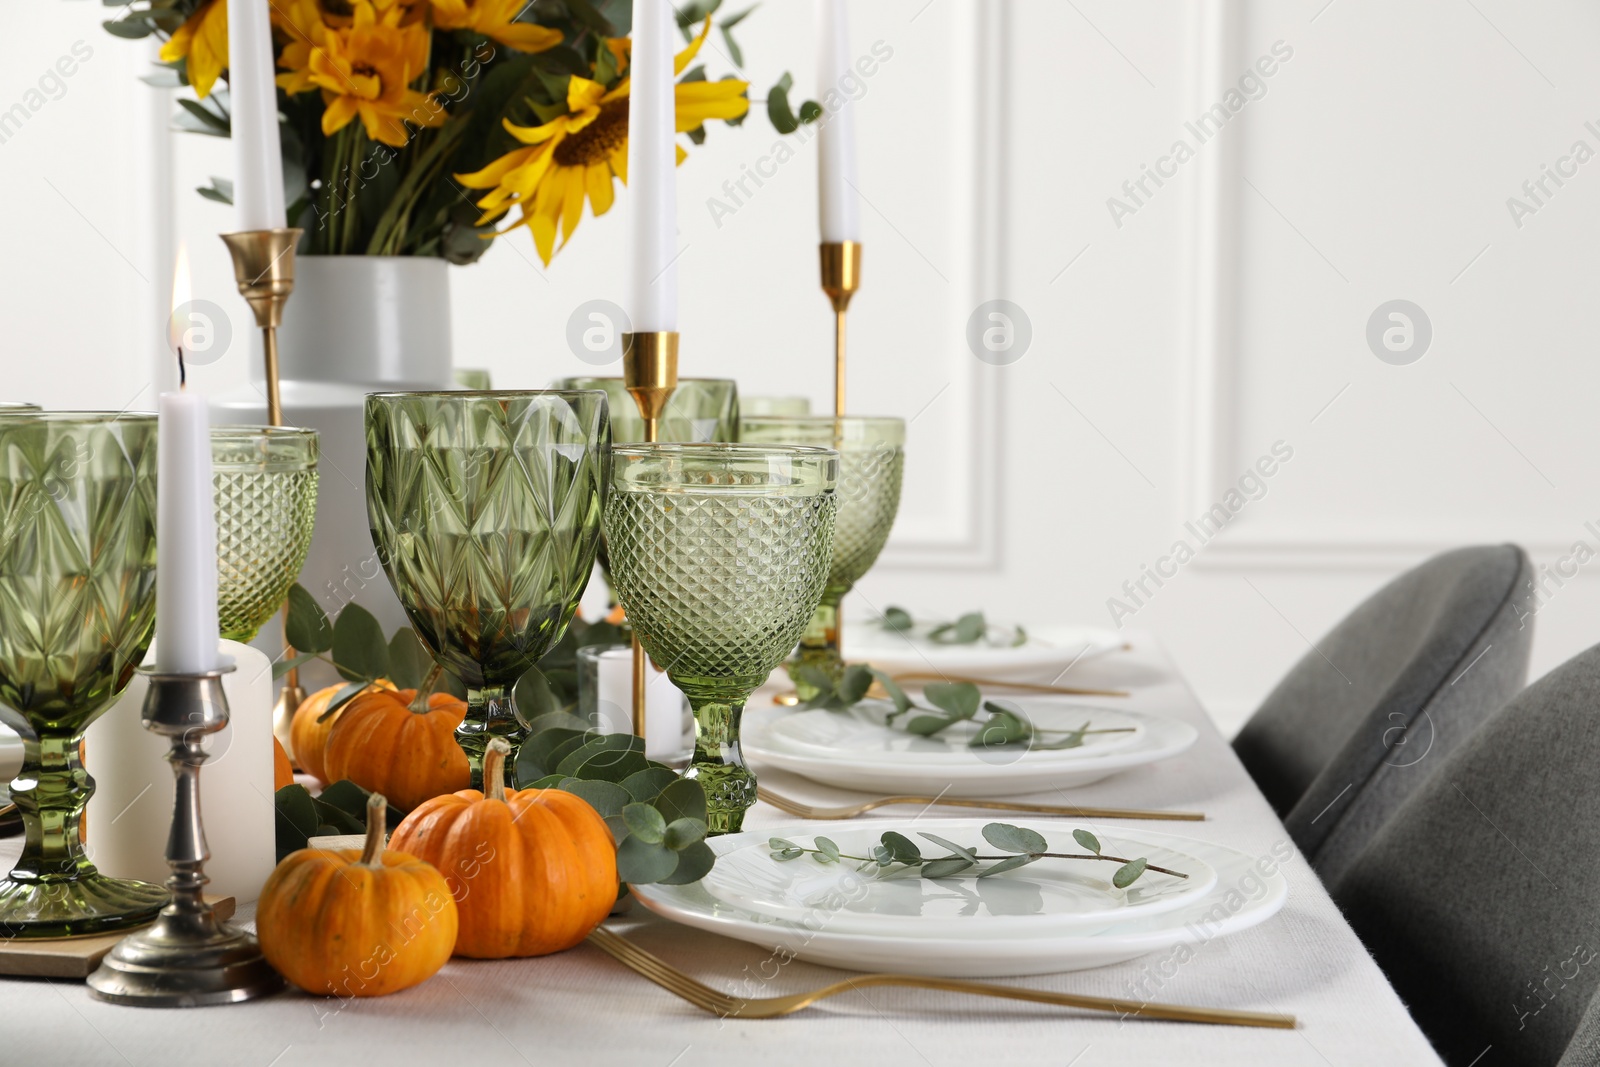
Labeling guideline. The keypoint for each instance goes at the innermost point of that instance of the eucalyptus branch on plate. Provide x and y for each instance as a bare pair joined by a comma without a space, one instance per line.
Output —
969,629
1004,723
899,857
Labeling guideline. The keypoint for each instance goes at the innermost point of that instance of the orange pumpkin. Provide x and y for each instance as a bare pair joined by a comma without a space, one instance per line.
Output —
282,771
308,737
356,922
532,870
384,742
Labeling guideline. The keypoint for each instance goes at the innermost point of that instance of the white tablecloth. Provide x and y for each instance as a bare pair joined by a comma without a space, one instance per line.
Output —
582,1008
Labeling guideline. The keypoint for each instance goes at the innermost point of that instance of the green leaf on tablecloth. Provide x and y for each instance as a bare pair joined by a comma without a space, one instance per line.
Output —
896,619
647,784
683,799
607,798
966,630
307,628
644,822
360,651
1009,838
1129,873
1087,840
682,833
644,861
409,660
960,699
694,863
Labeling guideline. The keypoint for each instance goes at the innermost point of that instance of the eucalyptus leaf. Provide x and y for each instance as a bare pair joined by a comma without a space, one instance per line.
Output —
789,854
945,868
409,661
780,844
1009,864
359,649
612,757
901,847
1009,838
694,863
960,699
683,799
643,861
1087,840
307,628
647,784
536,756
607,798
928,725
1129,873
341,698
535,697
284,666
896,619
778,110
960,850
902,703
857,679
681,833
295,820
1002,727
827,848
351,799
644,822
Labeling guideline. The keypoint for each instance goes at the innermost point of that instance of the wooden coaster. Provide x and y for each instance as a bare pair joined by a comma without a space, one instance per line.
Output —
72,957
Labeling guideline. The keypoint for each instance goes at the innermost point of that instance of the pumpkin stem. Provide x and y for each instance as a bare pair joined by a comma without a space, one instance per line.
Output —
419,703
377,827
494,769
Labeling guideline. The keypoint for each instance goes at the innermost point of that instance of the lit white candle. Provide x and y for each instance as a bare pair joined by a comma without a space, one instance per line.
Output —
257,154
186,523
663,703
652,177
838,212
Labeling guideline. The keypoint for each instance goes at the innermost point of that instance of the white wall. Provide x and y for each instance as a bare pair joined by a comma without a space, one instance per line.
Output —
1168,353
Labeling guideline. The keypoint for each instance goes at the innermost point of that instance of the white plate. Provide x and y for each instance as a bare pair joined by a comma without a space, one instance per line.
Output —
1046,897
1048,651
860,733
1248,891
984,773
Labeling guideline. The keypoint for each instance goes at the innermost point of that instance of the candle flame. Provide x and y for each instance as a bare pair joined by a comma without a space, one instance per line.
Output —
178,325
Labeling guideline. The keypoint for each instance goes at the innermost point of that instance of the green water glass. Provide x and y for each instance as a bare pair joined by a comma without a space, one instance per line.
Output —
720,554
485,510
699,410
871,470
77,608
774,405
476,378
265,483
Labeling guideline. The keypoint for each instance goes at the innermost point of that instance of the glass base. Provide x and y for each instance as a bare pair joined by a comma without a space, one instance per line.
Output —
67,907
819,646
730,792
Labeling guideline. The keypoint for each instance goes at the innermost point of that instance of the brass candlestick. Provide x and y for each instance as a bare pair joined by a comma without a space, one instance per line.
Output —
188,958
263,265
650,372
841,277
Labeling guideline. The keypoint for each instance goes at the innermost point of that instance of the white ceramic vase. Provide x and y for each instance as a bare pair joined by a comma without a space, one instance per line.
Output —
355,325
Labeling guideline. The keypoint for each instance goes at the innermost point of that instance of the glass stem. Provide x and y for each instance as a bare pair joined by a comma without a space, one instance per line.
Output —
819,645
51,802
491,712
718,764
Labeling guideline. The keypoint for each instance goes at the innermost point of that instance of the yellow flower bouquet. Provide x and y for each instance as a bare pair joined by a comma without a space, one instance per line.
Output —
428,127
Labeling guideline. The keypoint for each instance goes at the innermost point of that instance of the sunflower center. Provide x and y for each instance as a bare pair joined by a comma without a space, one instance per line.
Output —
596,141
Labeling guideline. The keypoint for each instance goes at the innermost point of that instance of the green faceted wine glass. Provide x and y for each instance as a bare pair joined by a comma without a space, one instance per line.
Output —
699,410
265,482
77,607
871,469
774,405
485,510
720,554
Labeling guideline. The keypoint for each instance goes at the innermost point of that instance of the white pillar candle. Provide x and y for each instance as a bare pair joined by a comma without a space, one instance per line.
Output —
838,212
253,96
663,704
186,537
131,810
652,177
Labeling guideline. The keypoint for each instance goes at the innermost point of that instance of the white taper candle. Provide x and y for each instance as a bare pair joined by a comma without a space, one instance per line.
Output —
838,212
652,177
186,538
253,96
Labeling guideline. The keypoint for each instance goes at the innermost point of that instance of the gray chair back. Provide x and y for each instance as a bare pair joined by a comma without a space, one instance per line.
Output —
1480,898
1364,717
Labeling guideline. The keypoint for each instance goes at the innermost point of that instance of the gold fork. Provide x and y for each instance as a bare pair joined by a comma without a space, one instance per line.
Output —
707,999
850,811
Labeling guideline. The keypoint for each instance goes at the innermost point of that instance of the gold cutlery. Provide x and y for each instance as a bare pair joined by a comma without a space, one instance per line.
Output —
850,811
707,999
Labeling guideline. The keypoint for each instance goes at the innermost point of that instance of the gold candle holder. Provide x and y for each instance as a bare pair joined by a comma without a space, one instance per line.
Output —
650,373
841,277
263,265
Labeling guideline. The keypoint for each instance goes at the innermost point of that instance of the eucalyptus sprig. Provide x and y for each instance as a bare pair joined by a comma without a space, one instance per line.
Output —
897,856
969,629
952,702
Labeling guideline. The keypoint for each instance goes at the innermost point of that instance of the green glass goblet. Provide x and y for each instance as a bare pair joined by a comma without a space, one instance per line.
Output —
77,606
699,410
871,467
485,510
265,482
720,555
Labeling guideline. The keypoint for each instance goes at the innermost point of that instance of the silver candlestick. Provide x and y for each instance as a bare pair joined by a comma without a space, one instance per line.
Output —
187,958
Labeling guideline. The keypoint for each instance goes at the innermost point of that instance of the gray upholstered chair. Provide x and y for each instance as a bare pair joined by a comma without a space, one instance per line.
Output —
1406,677
1480,898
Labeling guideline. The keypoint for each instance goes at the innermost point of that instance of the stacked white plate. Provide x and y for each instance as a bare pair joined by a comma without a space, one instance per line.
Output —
1048,916
856,749
1042,657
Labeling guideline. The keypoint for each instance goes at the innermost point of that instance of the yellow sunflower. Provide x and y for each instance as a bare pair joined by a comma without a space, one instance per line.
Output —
578,154
203,41
303,22
495,19
365,70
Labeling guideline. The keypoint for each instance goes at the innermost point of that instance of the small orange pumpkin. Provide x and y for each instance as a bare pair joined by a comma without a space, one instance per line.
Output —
356,922
532,870
387,741
282,771
308,737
